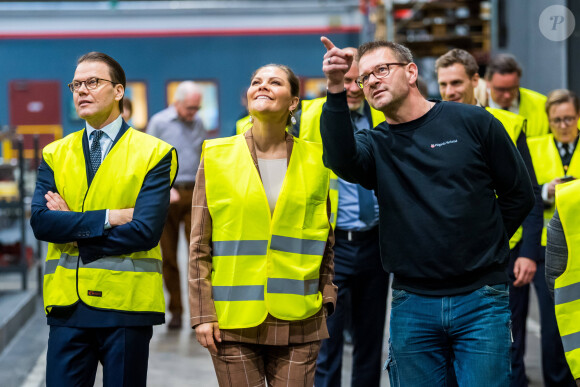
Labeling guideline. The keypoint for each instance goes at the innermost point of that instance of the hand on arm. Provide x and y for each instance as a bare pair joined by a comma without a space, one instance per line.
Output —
53,221
335,65
120,217
55,202
207,334
137,229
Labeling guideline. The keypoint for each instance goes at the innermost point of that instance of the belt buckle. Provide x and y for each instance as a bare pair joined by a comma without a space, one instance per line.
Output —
350,236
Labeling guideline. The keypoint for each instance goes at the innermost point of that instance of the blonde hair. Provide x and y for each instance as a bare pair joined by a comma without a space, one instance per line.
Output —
559,96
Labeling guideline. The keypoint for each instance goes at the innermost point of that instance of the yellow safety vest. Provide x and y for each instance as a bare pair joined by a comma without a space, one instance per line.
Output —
243,124
548,166
310,131
567,286
265,262
514,124
533,108
130,282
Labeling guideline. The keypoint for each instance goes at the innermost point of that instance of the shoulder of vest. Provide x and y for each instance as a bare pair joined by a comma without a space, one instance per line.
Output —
222,141
534,96
507,115
311,145
378,116
243,120
146,139
63,142
311,103
546,138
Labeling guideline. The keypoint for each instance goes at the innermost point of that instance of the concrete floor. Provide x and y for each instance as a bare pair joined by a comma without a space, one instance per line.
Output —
176,359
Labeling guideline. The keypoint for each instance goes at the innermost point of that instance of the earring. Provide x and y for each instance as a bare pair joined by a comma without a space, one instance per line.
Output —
251,120
292,118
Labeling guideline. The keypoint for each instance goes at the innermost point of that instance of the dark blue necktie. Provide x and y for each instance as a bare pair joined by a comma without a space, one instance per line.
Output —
96,150
366,205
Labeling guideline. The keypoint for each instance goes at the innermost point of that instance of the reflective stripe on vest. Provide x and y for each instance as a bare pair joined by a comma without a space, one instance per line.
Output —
533,108
514,124
255,252
256,292
567,285
132,282
231,248
548,166
142,265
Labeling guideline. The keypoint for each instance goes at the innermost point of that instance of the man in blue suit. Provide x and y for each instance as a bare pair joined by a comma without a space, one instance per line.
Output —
101,200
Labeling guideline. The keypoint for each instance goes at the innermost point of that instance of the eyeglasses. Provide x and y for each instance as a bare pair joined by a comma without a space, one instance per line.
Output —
380,71
566,120
503,90
91,84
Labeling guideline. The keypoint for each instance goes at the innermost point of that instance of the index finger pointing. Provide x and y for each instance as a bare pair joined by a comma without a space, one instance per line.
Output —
327,43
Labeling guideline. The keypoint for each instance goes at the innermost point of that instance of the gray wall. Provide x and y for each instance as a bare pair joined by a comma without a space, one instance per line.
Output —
544,62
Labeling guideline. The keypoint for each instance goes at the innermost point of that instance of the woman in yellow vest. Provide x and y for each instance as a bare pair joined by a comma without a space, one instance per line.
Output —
261,260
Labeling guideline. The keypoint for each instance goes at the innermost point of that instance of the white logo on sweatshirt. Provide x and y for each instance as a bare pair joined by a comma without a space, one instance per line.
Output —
443,143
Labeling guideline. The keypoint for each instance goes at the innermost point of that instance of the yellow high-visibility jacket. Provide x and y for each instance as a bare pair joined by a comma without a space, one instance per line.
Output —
129,282
548,166
265,262
567,286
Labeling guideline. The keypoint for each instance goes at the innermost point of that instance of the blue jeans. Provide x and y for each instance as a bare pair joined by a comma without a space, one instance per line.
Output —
470,332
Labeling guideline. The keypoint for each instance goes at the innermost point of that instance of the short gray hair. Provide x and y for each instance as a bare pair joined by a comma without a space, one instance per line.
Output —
184,89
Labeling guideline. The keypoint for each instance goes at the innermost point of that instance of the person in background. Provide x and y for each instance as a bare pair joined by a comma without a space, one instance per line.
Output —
452,190
261,267
127,109
502,76
180,126
362,284
458,78
563,270
101,199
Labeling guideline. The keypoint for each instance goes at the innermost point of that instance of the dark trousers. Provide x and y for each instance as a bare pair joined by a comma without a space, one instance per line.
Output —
358,273
555,369
178,212
74,354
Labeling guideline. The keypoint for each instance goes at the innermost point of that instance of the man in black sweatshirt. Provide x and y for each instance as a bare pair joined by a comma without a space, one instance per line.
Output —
452,189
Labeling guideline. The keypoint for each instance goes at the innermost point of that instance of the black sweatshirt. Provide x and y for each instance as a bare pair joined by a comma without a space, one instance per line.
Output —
443,231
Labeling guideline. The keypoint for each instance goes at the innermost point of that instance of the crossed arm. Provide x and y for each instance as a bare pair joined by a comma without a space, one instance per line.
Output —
136,229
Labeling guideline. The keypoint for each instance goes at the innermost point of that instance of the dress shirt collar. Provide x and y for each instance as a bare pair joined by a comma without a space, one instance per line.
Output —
514,108
111,130
571,147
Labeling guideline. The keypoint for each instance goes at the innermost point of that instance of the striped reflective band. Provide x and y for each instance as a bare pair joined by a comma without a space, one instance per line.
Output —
143,265
138,265
571,341
296,245
292,286
238,293
332,215
333,184
567,294
66,261
229,248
